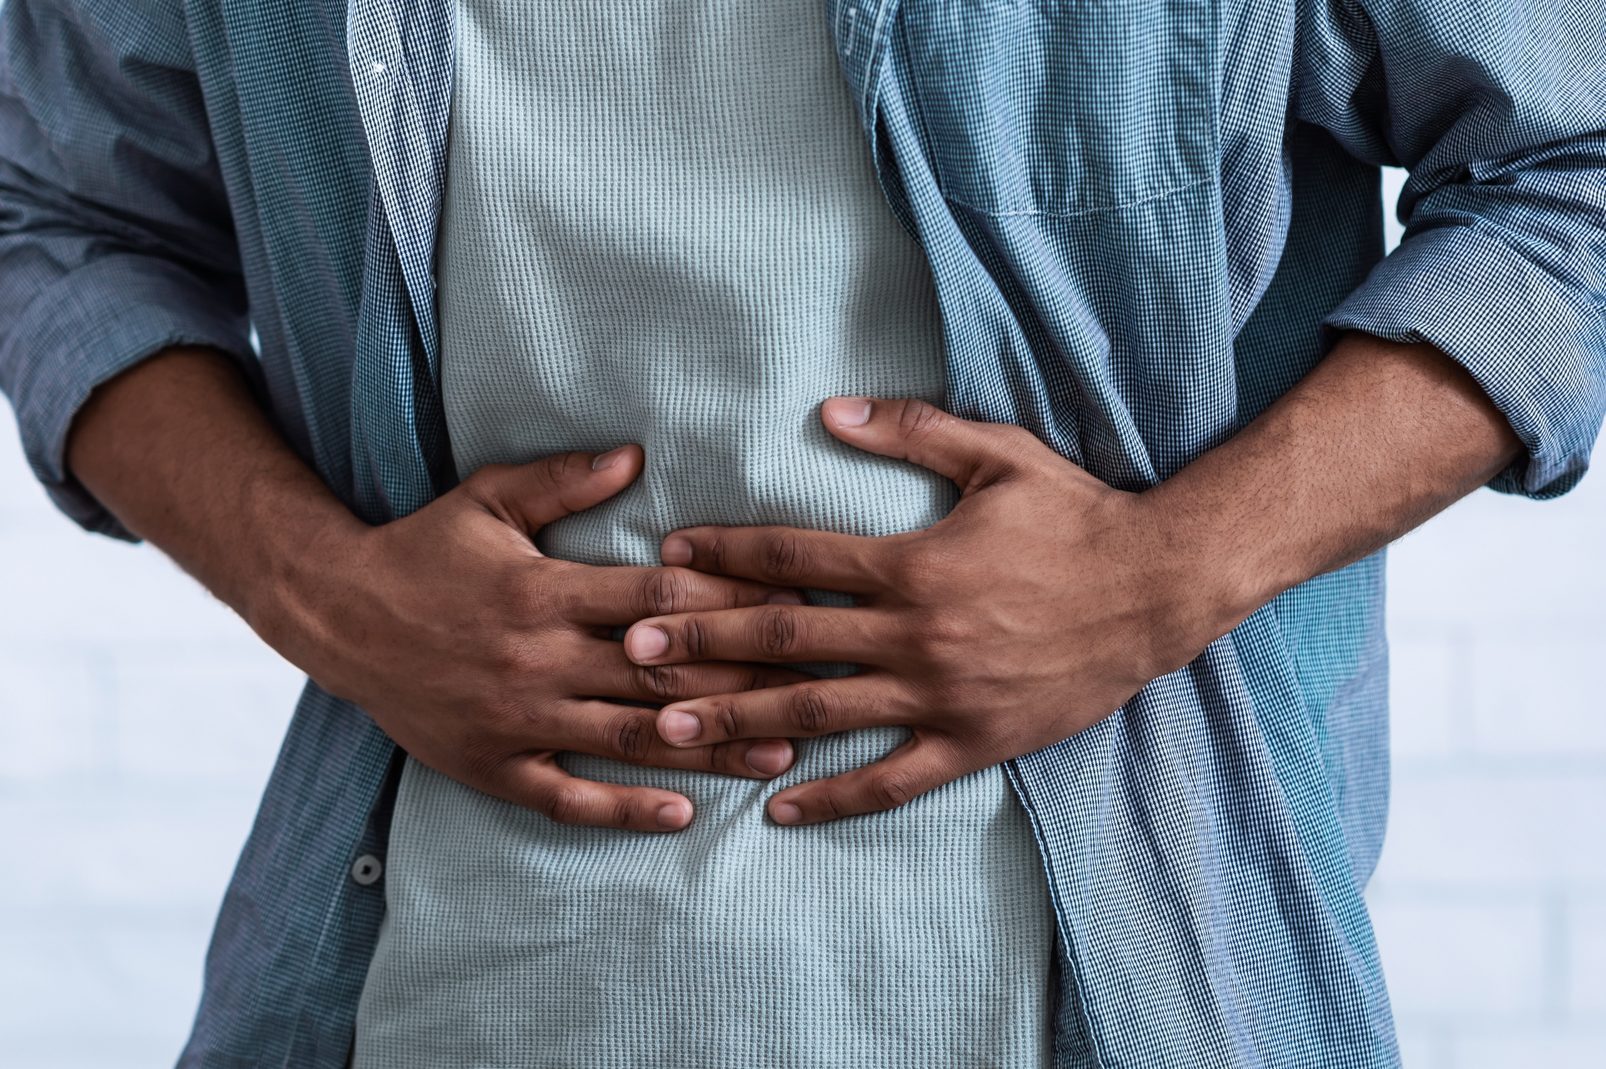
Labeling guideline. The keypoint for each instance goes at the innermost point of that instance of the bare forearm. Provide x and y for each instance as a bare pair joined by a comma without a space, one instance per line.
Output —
468,647
1376,439
1045,598
180,451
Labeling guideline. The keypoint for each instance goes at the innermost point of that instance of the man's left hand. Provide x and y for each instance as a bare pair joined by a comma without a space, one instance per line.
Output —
1034,609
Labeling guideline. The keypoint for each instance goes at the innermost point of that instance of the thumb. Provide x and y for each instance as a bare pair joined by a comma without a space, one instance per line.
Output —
971,453
535,494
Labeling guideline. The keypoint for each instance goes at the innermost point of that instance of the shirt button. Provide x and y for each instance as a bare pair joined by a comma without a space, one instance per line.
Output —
366,870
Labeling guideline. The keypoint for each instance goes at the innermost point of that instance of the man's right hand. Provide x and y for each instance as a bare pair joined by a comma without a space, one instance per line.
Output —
485,659
476,653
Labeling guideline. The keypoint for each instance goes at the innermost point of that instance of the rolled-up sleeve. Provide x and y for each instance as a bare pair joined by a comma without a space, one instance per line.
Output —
115,235
1498,111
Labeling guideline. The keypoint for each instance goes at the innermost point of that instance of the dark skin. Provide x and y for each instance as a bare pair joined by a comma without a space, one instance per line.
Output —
1046,599
477,654
487,661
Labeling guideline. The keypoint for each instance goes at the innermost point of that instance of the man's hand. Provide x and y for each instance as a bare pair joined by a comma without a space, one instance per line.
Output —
1036,607
477,654
485,659
1046,599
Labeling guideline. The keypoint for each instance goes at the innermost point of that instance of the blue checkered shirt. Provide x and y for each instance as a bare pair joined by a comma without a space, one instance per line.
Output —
1146,221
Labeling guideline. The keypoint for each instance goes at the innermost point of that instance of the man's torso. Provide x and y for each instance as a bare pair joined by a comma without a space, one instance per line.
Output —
611,271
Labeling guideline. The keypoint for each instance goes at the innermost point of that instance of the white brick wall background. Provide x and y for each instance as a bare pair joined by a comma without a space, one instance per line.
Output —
138,721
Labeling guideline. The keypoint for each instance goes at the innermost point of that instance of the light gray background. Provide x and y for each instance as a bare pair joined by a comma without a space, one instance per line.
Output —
139,718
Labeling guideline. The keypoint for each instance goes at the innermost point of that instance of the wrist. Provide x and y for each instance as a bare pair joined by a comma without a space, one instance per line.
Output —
1201,573
304,554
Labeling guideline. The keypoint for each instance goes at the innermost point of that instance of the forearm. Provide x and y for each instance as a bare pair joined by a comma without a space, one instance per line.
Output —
1376,439
179,450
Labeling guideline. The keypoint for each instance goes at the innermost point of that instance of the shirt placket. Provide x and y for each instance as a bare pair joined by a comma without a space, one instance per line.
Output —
401,68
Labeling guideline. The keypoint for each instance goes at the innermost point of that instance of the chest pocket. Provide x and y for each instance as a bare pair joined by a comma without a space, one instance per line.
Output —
1063,107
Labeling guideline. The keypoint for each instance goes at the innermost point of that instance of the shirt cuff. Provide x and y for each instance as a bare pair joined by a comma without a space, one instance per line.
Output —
87,327
1534,344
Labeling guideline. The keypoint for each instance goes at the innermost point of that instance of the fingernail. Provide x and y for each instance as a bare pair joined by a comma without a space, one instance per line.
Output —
785,813
783,597
609,459
848,411
769,757
674,725
645,643
675,551
673,815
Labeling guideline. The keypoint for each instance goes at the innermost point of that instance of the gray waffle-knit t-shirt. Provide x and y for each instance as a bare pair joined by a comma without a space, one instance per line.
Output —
662,226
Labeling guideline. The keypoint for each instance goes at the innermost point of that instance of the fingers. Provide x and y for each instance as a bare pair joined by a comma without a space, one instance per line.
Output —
802,710
971,453
598,595
783,556
530,496
920,764
601,670
629,733
537,782
768,633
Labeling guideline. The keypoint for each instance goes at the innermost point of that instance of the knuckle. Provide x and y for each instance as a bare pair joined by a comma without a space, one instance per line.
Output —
482,482
951,631
517,597
555,601
715,550
1018,447
665,682
785,557
482,759
717,758
726,717
916,419
920,562
777,632
939,636
505,660
623,813
890,790
524,601
503,712
695,638
1013,435
564,805
665,592
560,467
629,735
809,710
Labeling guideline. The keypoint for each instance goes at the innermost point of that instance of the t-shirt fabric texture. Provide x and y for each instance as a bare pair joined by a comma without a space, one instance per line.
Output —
701,301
